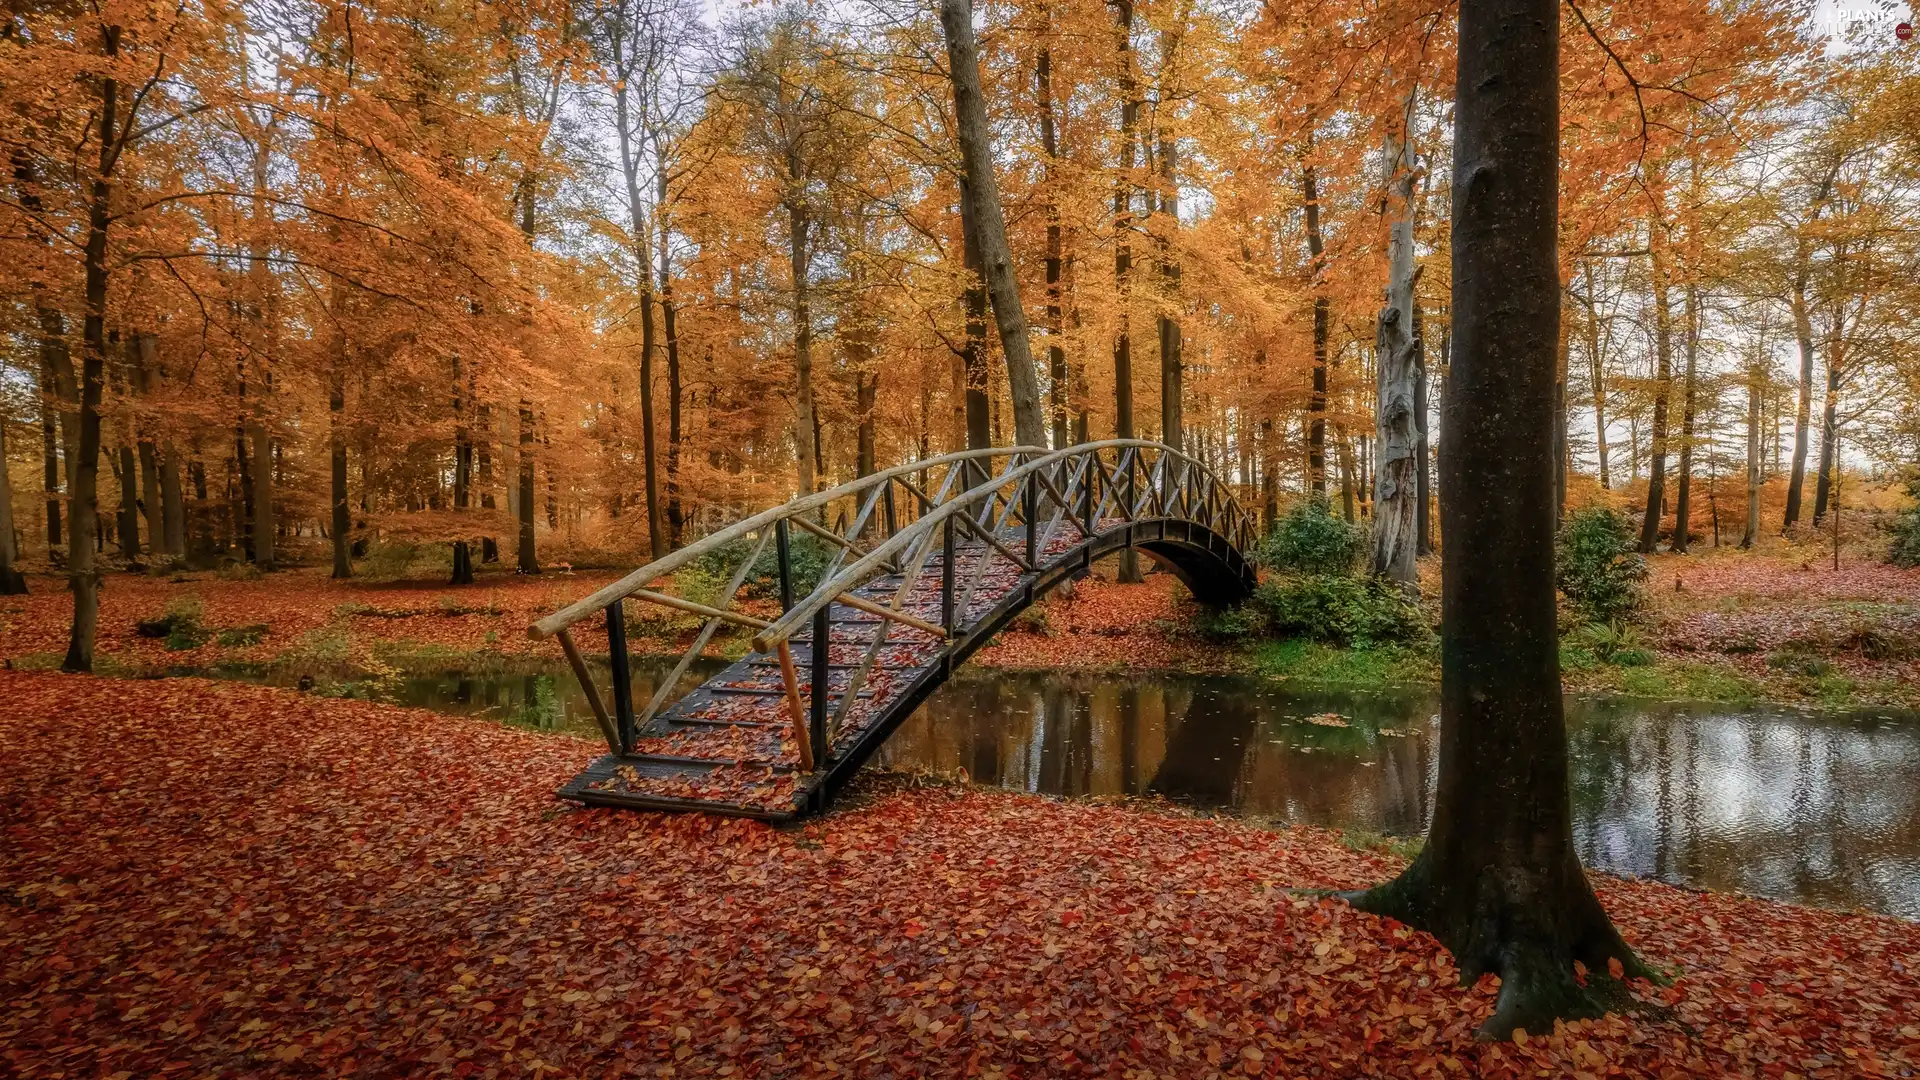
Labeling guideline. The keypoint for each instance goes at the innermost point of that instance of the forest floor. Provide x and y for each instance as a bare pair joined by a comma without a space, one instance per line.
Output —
208,878
1724,626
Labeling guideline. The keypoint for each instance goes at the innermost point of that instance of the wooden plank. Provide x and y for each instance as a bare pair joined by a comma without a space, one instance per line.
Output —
579,665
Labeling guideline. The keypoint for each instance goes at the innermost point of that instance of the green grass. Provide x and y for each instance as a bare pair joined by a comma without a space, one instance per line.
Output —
1405,847
1326,665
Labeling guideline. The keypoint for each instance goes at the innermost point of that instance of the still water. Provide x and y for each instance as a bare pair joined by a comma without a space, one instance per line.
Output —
1816,808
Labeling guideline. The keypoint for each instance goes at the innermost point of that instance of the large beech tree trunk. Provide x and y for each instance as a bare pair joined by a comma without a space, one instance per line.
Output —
1396,372
1499,882
981,202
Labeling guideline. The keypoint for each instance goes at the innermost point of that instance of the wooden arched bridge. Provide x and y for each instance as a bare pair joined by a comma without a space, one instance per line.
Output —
926,563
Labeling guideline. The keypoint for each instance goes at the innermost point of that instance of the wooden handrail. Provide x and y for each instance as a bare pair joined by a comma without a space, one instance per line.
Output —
870,564
667,564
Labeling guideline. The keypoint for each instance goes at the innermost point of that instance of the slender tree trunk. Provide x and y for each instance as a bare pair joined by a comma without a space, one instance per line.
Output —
1662,389
1598,376
341,521
1829,433
1322,311
1343,454
676,515
1172,367
51,343
527,562
979,420
126,523
84,466
1123,254
1056,347
173,509
1755,388
1499,881
462,475
981,200
12,582
146,359
1683,502
1423,525
1396,538
1803,414
803,423
641,233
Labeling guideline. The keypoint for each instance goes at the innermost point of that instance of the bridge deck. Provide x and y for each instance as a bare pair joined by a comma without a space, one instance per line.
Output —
728,746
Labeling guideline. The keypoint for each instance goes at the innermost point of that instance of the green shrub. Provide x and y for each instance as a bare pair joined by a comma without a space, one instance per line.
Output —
1799,662
1356,611
238,571
807,560
1905,527
243,635
1599,571
1619,644
1237,623
184,627
1309,539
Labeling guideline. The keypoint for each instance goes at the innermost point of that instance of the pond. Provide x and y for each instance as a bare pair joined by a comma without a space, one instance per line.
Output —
1814,808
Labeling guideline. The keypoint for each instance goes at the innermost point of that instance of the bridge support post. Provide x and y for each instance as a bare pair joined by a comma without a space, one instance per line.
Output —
622,675
822,670
946,575
1030,509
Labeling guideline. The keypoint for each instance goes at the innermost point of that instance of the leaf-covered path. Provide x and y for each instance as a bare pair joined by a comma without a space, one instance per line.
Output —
202,878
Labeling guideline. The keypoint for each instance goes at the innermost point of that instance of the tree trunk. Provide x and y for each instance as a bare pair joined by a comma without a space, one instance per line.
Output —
641,235
1829,434
126,523
1056,348
528,563
173,509
1317,402
1499,882
1172,369
1662,389
978,408
1598,377
1755,389
1803,414
803,421
676,515
84,465
341,521
462,475
1123,255
981,200
55,356
1396,373
1423,481
1683,502
12,582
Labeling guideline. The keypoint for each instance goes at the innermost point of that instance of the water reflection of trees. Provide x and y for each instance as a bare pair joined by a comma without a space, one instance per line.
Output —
1823,809
1778,803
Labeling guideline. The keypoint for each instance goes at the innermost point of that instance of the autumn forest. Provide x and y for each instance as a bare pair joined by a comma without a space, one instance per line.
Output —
1522,676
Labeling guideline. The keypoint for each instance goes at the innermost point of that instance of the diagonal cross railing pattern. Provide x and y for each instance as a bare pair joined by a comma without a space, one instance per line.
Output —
925,563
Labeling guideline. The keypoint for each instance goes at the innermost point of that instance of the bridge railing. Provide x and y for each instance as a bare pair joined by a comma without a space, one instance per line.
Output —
1008,503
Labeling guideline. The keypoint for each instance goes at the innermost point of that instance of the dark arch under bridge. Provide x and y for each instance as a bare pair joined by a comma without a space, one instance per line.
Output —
926,563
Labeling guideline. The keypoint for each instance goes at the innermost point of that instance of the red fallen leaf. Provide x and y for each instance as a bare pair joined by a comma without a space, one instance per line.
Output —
1615,968
1755,988
914,928
1071,918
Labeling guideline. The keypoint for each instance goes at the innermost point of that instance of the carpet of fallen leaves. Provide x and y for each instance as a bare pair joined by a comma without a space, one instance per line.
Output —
295,607
1104,624
1746,610
212,879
